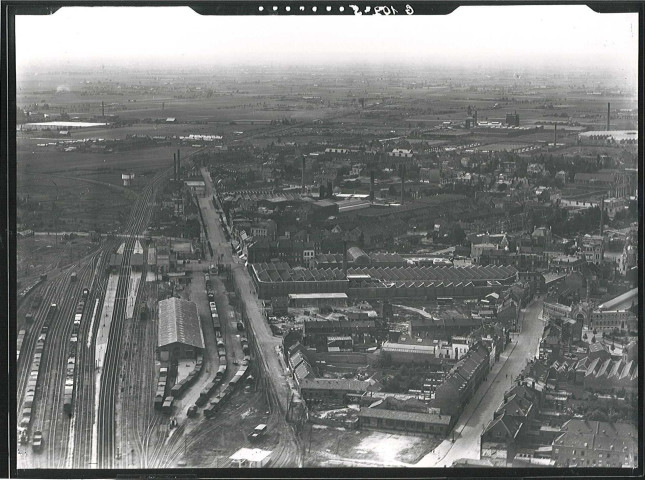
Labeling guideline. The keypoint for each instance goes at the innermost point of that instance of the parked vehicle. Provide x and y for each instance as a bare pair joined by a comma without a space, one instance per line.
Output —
37,441
257,433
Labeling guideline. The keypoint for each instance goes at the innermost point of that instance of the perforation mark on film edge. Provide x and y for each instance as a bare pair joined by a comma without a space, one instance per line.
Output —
367,10
302,8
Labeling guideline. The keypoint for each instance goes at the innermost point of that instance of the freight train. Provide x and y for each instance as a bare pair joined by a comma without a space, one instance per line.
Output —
70,379
237,379
180,387
30,391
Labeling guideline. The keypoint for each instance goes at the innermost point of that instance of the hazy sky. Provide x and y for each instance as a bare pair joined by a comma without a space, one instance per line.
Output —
487,35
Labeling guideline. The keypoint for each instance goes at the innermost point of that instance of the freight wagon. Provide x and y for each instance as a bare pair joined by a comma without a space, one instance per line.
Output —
212,408
167,405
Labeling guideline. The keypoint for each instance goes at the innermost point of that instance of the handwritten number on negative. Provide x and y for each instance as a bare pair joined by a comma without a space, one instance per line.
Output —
381,10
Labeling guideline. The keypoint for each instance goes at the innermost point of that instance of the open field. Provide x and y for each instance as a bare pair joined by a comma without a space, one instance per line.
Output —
81,191
40,254
48,161
57,203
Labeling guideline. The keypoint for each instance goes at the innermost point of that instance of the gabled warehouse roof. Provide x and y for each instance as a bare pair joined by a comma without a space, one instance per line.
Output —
179,323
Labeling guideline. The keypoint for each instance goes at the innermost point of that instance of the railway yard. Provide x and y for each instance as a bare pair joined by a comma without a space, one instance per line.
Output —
92,391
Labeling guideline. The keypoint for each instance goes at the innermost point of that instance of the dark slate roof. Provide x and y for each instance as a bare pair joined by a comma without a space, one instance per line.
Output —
404,416
115,260
507,424
334,384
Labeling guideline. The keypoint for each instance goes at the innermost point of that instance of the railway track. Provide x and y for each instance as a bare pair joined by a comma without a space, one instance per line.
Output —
56,422
48,414
109,380
48,395
146,424
84,394
137,378
107,427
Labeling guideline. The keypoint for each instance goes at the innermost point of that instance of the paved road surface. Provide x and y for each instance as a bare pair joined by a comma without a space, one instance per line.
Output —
264,338
479,412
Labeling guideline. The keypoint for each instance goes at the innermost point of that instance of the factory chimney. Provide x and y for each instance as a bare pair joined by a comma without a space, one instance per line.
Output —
345,259
321,195
402,175
608,114
372,185
174,167
330,189
303,174
555,135
103,110
178,166
602,216
163,106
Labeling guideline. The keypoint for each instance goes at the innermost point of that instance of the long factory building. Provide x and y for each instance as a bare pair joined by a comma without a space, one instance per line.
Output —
278,279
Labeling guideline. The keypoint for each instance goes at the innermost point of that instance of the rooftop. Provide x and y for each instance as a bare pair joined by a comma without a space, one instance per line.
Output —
625,298
404,416
410,348
334,384
317,296
179,323
250,454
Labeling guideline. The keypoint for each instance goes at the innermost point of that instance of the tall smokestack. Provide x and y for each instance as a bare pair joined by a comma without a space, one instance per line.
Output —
174,166
330,189
303,174
178,165
321,195
555,134
372,185
608,114
602,216
402,175
103,110
345,259
163,106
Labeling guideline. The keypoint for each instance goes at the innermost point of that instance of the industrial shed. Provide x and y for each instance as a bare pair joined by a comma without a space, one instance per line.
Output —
428,423
115,262
317,299
136,261
278,279
331,391
180,333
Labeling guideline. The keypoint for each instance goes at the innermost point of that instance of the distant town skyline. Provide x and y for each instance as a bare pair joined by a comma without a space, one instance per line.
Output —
548,37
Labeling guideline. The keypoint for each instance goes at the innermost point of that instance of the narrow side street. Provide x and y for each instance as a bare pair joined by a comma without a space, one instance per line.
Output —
488,397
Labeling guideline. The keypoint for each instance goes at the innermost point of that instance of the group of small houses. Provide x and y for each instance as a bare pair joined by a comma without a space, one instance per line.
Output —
388,411
521,434
181,339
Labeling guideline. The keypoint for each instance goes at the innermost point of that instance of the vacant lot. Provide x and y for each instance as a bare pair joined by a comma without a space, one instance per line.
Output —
327,446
